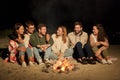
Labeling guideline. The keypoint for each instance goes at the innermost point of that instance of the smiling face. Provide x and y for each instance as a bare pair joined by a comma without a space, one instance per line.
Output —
77,29
43,30
30,29
95,30
20,30
59,31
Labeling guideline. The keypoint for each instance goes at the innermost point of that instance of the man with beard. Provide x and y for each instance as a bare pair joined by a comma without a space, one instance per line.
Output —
41,42
79,42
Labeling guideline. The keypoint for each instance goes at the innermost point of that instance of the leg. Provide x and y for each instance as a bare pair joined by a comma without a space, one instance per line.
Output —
47,53
30,56
37,55
89,54
81,57
68,52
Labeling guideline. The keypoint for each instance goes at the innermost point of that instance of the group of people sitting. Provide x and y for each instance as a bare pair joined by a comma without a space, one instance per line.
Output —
42,47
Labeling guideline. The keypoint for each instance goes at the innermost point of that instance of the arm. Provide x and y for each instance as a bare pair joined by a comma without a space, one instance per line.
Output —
49,39
105,43
33,40
84,39
93,42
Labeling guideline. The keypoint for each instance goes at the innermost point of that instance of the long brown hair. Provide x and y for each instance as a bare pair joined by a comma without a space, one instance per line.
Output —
102,36
16,27
64,33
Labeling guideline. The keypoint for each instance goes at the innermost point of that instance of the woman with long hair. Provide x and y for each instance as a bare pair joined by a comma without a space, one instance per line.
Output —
60,46
99,43
16,44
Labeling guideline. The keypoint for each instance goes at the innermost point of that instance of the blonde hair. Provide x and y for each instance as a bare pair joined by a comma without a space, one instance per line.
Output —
64,30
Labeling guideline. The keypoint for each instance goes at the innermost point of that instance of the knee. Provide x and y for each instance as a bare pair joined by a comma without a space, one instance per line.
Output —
78,44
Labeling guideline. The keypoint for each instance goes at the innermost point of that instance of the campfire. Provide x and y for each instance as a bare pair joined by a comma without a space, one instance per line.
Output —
61,65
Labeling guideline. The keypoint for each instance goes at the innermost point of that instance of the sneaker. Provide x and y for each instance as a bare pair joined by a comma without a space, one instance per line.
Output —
109,61
47,61
103,61
31,63
40,62
84,61
91,61
24,64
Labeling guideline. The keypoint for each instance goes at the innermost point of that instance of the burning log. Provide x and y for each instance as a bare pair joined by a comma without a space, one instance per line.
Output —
63,65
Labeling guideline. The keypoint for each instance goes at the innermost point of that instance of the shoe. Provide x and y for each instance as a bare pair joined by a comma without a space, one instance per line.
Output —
47,61
103,61
109,61
24,64
40,62
84,61
91,61
31,63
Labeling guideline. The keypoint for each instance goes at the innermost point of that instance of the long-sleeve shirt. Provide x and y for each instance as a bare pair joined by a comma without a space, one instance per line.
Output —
35,40
26,40
74,38
58,45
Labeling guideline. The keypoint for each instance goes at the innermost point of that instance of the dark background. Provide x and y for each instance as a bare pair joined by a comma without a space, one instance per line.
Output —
63,12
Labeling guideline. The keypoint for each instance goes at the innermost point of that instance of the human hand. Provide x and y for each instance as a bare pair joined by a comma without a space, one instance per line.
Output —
47,37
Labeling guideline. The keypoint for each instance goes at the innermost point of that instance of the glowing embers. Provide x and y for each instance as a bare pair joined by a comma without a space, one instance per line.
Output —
63,65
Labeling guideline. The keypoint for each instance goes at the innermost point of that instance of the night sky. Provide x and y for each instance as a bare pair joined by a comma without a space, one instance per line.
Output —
61,12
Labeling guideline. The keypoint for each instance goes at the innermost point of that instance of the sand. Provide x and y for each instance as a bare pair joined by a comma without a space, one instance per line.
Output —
10,71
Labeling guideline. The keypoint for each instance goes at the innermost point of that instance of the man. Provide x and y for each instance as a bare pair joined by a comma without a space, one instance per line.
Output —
41,42
78,41
30,27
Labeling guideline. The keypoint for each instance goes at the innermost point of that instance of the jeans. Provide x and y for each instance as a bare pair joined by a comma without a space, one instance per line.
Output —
39,52
80,52
21,52
68,52
29,52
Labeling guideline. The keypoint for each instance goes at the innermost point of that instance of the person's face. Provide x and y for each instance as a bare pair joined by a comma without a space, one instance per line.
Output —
95,30
30,29
20,30
77,29
59,31
43,30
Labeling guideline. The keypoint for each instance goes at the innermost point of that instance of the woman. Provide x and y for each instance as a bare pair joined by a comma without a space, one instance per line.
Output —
16,44
60,45
99,43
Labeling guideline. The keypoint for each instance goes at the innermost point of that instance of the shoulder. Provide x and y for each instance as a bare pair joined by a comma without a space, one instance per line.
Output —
53,35
71,33
85,33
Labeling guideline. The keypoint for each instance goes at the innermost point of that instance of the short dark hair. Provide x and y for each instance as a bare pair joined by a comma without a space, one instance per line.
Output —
78,23
40,26
28,23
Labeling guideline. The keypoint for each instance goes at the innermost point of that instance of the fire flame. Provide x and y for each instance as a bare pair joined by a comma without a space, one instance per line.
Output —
63,65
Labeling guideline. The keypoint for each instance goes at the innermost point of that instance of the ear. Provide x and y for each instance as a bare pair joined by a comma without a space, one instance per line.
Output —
39,30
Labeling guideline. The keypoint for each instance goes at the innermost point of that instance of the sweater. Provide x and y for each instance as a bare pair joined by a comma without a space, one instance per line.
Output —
35,40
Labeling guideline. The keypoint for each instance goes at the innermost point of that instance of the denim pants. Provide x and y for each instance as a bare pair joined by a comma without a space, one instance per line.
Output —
21,52
67,53
86,51
29,52
38,52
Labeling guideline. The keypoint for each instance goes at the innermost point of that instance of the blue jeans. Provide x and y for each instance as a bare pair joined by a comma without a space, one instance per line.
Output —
80,52
67,53
21,52
29,52
38,52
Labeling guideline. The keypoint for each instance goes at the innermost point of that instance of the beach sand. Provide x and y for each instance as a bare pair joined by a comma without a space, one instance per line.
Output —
10,71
